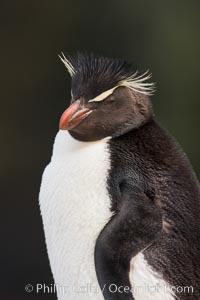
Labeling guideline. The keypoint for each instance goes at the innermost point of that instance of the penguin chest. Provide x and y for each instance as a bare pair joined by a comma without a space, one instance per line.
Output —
75,207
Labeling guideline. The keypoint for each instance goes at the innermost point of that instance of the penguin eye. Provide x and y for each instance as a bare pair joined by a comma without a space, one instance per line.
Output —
108,101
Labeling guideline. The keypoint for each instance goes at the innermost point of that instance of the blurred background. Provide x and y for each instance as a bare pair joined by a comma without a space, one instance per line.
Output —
163,36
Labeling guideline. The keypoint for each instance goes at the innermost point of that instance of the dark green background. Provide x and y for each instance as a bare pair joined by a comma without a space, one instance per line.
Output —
163,36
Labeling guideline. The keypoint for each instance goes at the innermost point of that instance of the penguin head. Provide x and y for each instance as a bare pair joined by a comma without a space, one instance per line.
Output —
109,98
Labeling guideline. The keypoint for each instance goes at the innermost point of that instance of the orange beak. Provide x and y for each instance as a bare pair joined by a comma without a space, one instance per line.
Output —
73,116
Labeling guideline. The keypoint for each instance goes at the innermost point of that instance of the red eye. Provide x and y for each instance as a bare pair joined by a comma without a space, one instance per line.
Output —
108,102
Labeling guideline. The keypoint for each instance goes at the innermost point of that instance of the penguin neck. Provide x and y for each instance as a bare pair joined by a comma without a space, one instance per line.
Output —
65,144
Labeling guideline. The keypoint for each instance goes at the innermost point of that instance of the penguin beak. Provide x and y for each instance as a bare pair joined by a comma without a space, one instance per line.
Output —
73,116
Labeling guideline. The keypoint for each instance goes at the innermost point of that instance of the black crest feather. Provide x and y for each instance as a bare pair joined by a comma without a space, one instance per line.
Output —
91,75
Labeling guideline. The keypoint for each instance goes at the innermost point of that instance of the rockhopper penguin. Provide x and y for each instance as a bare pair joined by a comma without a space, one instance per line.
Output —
119,200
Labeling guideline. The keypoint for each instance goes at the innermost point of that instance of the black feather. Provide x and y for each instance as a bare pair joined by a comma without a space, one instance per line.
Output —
96,74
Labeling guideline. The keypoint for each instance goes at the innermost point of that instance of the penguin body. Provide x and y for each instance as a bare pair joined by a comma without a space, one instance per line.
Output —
75,190
119,200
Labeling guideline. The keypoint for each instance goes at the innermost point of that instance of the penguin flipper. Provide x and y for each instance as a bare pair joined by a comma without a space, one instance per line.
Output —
135,227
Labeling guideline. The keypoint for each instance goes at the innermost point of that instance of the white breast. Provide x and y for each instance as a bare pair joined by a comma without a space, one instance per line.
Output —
75,207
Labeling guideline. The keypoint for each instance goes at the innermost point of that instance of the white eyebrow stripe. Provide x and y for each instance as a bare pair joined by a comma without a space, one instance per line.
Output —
104,95
133,82
138,84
